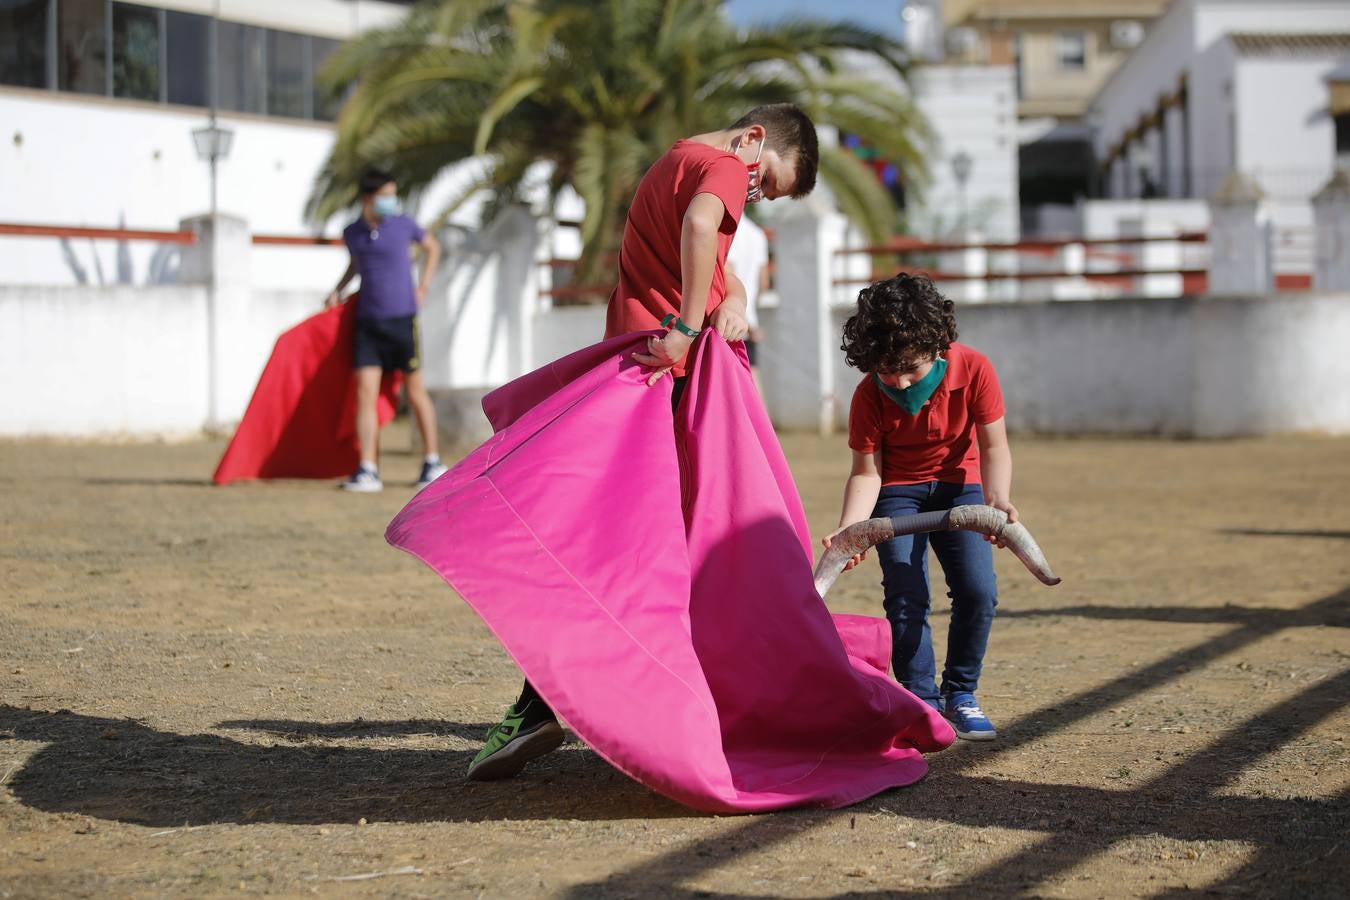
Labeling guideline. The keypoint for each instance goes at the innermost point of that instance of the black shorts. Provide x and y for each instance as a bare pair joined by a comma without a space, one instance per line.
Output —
390,344
752,351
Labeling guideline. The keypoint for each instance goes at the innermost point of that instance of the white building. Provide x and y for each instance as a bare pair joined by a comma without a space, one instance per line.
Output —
98,100
1220,86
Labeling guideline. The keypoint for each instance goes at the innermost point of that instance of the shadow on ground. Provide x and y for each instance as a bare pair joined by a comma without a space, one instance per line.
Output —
126,771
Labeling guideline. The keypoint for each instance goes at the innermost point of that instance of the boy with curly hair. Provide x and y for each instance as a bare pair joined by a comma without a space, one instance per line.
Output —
927,433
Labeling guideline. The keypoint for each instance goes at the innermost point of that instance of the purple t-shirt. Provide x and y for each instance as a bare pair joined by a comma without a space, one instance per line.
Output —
382,261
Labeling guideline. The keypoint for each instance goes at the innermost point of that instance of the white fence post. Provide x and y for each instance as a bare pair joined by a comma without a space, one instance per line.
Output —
801,346
220,259
1161,256
1239,261
971,261
1331,222
1072,261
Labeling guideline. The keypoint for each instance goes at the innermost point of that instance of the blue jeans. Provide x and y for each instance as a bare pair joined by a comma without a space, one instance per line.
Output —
967,562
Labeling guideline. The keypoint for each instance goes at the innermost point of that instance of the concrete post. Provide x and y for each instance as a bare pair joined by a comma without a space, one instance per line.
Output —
803,341
1155,256
220,259
1239,239
971,261
1071,259
1331,224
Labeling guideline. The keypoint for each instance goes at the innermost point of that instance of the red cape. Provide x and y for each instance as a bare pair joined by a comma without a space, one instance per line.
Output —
301,422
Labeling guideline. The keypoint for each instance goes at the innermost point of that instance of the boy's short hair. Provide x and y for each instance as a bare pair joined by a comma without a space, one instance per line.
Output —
899,322
372,179
792,133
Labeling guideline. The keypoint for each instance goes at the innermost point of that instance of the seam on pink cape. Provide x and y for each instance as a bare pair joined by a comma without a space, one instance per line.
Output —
598,604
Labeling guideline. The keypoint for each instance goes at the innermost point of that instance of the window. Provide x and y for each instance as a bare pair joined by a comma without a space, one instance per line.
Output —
1072,51
135,52
23,42
188,45
325,107
287,94
243,77
141,52
81,31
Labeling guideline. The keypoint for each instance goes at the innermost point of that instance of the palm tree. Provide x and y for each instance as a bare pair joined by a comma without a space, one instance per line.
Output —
599,89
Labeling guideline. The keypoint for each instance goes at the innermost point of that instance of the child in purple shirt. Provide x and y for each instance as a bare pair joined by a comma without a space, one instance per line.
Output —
386,337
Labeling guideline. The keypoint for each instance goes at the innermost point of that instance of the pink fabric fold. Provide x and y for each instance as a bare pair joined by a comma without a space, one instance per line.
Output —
651,575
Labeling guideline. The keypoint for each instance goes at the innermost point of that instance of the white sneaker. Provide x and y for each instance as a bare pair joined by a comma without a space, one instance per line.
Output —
364,481
430,472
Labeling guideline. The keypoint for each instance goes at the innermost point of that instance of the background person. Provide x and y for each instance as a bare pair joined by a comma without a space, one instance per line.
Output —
748,260
386,336
927,433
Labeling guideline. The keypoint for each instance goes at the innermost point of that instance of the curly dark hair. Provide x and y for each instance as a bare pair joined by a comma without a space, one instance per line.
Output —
900,321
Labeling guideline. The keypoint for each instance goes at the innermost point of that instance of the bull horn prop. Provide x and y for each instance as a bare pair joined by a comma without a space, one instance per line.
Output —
984,519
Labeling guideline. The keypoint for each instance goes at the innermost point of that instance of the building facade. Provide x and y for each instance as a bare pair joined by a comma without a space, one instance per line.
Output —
1060,50
1230,87
98,101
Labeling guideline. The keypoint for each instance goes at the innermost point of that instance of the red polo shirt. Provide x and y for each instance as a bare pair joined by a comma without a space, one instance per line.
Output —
939,443
649,257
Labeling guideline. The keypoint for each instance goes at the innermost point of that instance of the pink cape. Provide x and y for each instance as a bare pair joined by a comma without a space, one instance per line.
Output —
300,422
658,592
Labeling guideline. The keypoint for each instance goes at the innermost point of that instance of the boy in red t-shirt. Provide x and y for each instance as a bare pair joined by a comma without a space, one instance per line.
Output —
672,274
927,433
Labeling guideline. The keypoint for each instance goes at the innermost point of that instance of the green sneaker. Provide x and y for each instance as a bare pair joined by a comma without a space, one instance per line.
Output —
512,743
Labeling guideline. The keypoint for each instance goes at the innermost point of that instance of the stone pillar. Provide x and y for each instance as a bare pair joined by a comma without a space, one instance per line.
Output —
972,261
1072,261
1331,224
1239,239
220,260
803,343
1155,256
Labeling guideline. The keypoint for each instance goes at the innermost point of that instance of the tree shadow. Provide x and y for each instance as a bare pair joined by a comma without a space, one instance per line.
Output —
1295,838
149,482
358,728
1266,532
126,771
123,770
1333,613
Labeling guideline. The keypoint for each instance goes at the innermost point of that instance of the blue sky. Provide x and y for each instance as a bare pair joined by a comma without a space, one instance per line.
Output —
879,14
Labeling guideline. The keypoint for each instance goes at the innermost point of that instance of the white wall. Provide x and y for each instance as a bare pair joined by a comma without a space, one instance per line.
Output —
1196,367
94,361
104,163
970,108
339,19
1285,138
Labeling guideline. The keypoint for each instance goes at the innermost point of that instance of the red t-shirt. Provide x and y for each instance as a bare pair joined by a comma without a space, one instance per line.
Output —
649,257
938,444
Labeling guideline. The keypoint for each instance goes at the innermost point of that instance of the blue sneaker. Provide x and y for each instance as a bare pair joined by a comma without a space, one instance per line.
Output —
969,721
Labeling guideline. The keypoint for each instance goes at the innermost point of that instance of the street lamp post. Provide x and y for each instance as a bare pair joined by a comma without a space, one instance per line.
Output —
213,144
961,166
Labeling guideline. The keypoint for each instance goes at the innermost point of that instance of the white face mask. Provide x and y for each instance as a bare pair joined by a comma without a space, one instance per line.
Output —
754,193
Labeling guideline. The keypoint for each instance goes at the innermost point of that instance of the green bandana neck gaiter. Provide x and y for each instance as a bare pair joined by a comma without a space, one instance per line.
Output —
912,398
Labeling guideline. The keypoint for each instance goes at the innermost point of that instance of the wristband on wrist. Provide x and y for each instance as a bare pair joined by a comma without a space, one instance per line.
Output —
673,321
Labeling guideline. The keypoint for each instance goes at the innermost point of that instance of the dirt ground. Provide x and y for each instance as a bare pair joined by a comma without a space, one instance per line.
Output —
211,691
